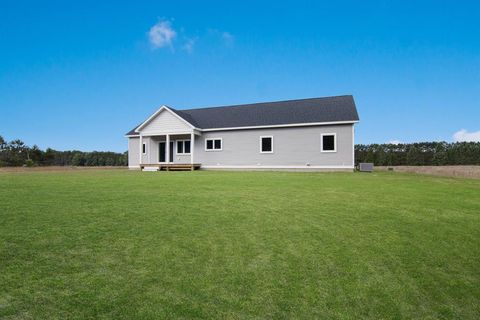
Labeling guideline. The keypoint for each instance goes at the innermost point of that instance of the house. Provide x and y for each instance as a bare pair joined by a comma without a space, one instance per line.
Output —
313,134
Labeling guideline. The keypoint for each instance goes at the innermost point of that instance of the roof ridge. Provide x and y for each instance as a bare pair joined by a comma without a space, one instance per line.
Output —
267,102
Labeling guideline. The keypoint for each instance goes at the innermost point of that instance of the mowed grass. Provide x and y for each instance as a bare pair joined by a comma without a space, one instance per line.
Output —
117,244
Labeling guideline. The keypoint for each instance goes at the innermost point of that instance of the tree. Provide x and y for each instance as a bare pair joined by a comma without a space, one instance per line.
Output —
440,156
16,153
36,155
49,157
381,157
423,153
78,159
3,152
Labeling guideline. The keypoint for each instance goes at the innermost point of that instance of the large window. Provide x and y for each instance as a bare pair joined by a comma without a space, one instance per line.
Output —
214,144
329,142
183,147
266,144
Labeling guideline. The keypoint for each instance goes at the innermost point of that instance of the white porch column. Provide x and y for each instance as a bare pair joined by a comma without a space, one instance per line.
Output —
192,146
140,153
167,147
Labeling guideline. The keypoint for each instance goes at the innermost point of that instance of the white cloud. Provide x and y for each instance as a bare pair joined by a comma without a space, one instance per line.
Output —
395,142
161,34
189,44
464,135
228,38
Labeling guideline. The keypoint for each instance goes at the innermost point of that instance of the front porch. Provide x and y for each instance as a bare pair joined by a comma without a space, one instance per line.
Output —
169,167
169,151
165,141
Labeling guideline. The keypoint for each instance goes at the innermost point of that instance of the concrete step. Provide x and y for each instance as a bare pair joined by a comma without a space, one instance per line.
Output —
150,169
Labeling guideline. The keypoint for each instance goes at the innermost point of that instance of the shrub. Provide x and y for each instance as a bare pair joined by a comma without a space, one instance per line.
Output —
29,163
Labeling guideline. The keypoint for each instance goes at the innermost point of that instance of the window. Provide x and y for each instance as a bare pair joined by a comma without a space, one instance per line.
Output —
266,144
329,142
183,146
179,147
144,148
214,144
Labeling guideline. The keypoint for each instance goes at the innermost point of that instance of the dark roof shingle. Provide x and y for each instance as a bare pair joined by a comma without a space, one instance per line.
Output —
314,110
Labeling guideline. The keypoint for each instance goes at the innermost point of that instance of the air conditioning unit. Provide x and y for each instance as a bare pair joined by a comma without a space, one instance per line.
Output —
365,167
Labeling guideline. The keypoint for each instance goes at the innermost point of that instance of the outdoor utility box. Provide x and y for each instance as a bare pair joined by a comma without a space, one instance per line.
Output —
365,167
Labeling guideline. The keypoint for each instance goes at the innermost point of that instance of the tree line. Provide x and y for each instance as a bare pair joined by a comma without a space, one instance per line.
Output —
419,154
16,153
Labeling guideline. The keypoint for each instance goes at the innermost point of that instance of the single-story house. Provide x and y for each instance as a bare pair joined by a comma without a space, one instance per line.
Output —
314,134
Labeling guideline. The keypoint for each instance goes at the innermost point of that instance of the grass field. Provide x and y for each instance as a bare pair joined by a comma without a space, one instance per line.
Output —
116,244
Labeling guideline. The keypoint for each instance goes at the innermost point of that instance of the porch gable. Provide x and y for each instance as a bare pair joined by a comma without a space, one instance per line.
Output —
164,121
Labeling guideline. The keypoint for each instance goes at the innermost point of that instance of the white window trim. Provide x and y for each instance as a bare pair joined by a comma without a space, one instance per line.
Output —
261,137
213,139
334,142
183,142
144,144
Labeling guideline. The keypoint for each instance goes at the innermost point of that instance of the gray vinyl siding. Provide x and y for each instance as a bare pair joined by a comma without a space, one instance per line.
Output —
294,146
152,155
149,151
133,150
165,122
181,158
152,150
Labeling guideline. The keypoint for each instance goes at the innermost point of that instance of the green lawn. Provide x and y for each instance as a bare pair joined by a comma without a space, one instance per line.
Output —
116,244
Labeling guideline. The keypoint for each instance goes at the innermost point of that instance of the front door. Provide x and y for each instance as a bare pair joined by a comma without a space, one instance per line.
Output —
162,151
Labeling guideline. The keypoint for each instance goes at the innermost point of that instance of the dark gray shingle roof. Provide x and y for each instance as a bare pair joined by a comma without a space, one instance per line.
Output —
328,109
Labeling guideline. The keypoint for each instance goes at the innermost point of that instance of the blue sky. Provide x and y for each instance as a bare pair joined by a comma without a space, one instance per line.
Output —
78,75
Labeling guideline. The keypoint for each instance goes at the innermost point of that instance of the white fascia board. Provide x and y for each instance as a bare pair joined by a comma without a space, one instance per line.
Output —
164,133
305,124
154,134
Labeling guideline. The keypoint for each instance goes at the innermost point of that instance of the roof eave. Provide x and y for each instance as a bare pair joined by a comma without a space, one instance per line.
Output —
303,124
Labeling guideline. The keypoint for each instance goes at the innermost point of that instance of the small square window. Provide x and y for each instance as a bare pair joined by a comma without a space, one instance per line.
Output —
266,144
328,143
183,146
213,144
